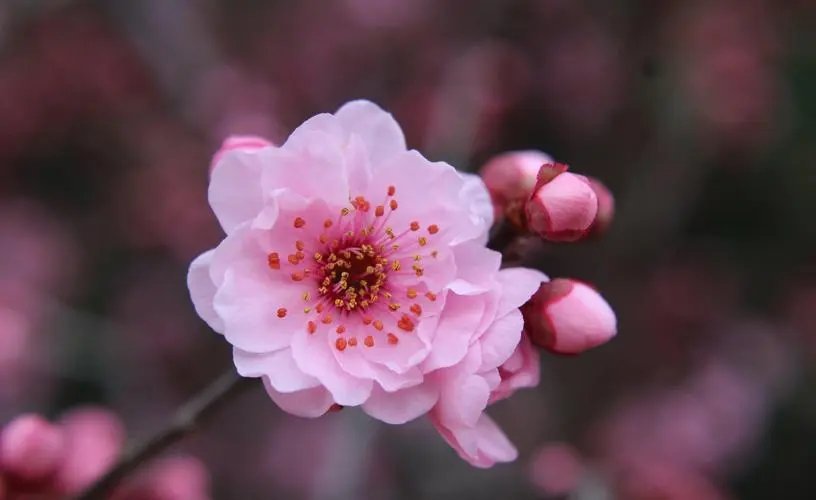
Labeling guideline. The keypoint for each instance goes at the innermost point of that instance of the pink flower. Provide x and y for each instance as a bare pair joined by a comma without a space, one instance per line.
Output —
47,460
568,317
563,207
31,448
511,177
354,272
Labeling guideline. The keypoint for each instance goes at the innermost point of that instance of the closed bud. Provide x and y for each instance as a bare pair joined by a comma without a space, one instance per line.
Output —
606,208
31,448
563,206
511,178
568,317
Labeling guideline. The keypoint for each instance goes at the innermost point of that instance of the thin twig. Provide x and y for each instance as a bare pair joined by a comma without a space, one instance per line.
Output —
183,423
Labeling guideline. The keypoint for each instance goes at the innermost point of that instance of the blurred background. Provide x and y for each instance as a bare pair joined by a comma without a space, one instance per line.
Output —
700,115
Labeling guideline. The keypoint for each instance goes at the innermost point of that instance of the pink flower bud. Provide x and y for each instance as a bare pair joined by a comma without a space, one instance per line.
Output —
568,317
31,448
511,177
563,206
606,208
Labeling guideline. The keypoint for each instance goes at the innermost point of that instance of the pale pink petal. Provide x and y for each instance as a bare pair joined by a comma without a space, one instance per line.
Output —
476,195
246,143
235,187
511,177
518,285
309,403
248,301
376,128
313,355
482,446
521,370
202,290
501,339
401,357
278,367
456,328
402,406
462,401
316,173
31,448
476,267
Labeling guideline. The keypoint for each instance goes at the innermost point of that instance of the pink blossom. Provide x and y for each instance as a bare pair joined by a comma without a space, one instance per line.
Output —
568,317
557,468
510,177
606,207
354,272
50,460
563,207
31,448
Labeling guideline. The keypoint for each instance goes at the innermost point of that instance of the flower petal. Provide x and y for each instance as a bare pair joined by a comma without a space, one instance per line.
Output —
377,128
456,328
501,339
476,267
235,188
313,355
202,290
401,406
309,403
482,445
475,193
277,367
518,285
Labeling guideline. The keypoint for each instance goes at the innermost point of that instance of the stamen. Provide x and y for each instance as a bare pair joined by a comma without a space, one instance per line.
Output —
391,190
416,309
352,341
311,327
378,324
369,341
300,245
411,293
340,344
273,259
297,277
393,204
414,226
379,211
422,241
282,312
299,222
392,339
433,229
431,296
406,323
341,329
306,296
327,319
327,223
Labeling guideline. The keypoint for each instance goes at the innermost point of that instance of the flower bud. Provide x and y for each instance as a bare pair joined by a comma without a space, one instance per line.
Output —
606,208
510,179
568,317
563,206
31,448
174,478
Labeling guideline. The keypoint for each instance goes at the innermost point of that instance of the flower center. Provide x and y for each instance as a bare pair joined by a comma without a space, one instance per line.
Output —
351,262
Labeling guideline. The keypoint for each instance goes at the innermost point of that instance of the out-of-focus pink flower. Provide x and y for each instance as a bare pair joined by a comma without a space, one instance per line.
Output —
556,469
653,479
563,207
50,460
175,478
568,317
354,272
94,438
31,448
511,177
